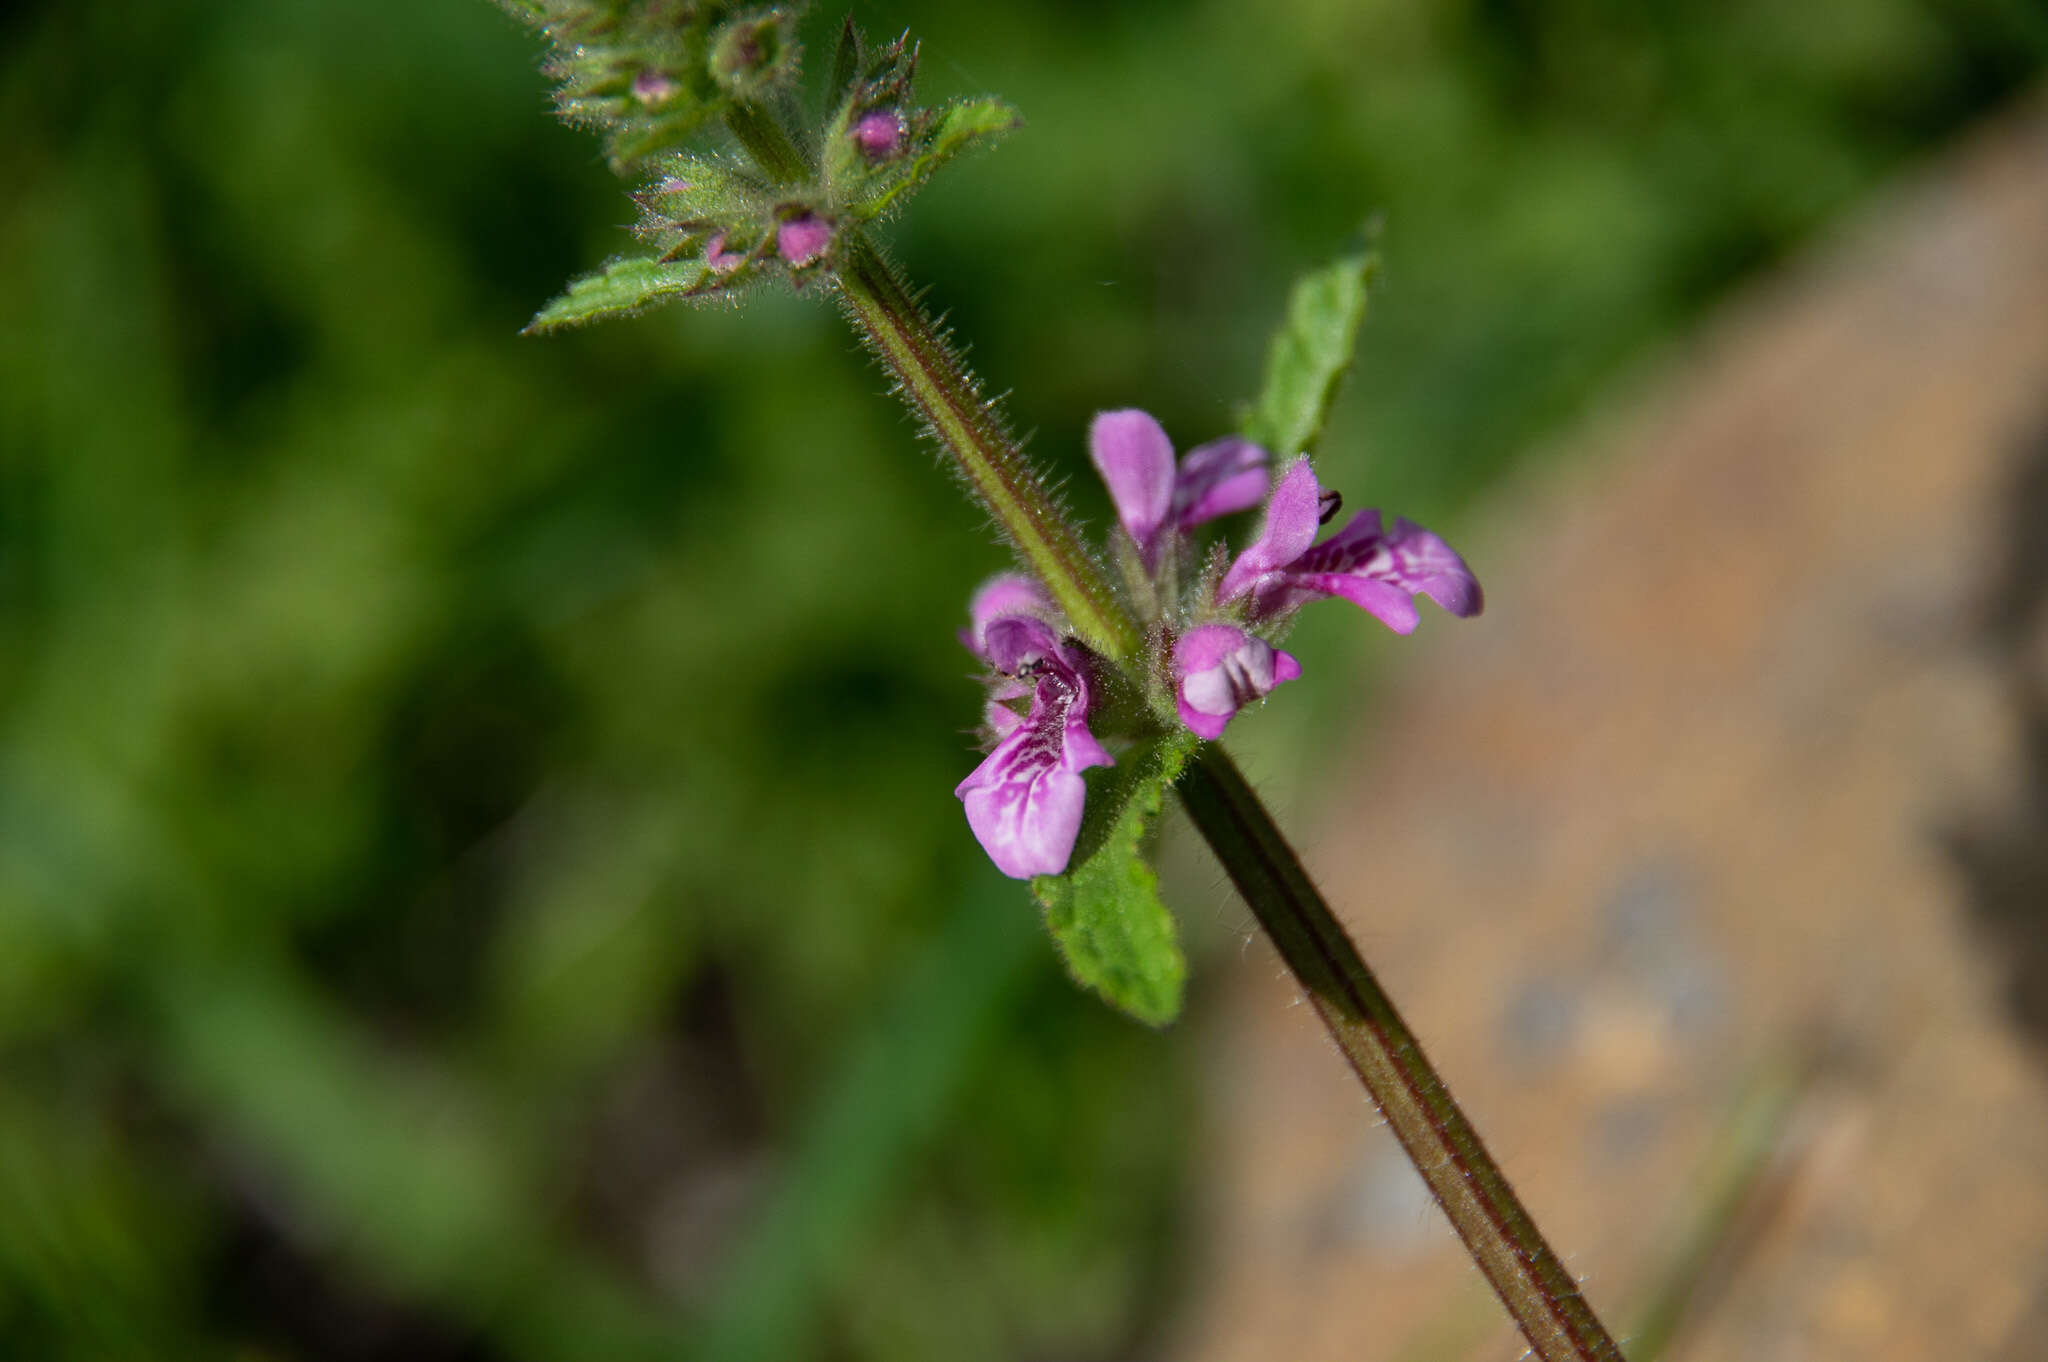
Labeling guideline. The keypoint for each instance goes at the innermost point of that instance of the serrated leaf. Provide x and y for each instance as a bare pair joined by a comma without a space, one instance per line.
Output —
692,191
625,287
961,125
1105,912
1310,355
965,120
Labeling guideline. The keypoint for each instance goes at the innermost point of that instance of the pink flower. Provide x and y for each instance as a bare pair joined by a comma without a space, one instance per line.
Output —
1380,571
1024,801
1154,499
1218,669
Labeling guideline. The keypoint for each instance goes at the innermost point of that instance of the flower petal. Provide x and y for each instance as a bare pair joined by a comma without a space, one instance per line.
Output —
1219,670
1219,478
998,715
1378,571
1135,459
1024,801
1384,601
1024,807
1429,565
1008,593
1017,644
1293,517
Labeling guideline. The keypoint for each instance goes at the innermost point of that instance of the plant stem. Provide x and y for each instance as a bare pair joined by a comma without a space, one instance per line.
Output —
1446,1150
1536,1289
938,387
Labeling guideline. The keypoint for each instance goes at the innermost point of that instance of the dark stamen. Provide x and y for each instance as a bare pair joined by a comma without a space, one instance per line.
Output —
1328,504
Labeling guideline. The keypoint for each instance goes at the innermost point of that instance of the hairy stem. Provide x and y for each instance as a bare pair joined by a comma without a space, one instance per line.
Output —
939,389
1446,1150
1538,1292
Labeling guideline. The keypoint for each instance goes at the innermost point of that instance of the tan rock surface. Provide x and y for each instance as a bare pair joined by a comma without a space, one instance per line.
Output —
1711,859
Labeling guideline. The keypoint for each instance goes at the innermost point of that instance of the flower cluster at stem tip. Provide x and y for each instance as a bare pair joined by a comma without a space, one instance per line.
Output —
1210,646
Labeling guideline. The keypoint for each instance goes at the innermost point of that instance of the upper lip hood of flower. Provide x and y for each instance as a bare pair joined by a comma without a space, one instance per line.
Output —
1210,645
1008,593
1154,498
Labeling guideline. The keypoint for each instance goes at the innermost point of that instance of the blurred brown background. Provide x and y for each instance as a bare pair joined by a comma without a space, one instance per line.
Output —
1713,868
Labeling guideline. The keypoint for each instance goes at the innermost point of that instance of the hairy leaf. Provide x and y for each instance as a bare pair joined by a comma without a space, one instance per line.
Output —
627,286
1105,911
1309,355
961,125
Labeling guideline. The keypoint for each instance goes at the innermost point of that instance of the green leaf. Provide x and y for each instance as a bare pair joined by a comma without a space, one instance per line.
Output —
625,287
845,60
965,120
1309,355
1105,912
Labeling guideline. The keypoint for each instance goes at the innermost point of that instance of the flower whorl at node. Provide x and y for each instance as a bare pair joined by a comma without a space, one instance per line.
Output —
1212,649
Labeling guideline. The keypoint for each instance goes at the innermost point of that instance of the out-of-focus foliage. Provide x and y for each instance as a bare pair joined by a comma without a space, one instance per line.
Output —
478,872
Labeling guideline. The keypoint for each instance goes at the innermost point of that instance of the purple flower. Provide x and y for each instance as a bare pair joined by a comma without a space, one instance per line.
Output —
1377,570
879,134
1218,669
1152,498
1024,800
801,240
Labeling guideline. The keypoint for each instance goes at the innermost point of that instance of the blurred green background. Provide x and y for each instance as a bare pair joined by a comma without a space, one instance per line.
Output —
478,870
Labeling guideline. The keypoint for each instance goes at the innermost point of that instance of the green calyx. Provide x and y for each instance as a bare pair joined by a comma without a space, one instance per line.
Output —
635,71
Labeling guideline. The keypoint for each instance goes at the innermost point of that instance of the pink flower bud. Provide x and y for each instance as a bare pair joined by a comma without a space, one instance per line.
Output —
802,240
719,258
879,134
651,87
